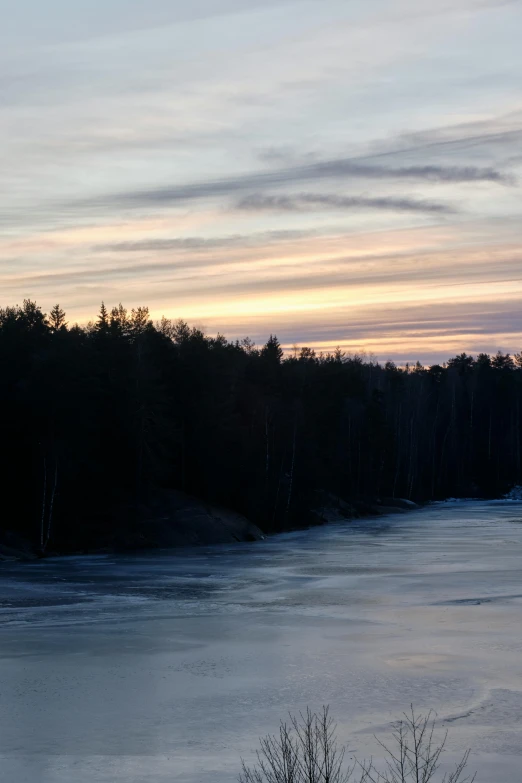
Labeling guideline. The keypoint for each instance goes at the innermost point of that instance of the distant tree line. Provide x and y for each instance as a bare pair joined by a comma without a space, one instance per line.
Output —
96,418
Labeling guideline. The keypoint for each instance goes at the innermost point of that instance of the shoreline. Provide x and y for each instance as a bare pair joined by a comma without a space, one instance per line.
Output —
198,524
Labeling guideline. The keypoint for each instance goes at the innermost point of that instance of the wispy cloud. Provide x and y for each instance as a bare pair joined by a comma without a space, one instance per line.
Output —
203,243
309,201
342,170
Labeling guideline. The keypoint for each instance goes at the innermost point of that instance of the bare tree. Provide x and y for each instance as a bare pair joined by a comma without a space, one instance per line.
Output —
51,507
414,756
306,751
45,530
291,481
44,503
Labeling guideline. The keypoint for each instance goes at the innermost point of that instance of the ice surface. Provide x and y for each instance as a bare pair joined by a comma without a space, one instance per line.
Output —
168,667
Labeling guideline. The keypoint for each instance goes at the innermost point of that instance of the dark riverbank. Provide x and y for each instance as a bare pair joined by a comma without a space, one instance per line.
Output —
173,519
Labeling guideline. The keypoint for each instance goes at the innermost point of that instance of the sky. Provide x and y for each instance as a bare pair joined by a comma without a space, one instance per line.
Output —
338,172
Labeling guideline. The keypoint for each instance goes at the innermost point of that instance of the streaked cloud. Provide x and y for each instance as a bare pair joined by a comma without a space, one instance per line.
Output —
202,243
308,201
337,170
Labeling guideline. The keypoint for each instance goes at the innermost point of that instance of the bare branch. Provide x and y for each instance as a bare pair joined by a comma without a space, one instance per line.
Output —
307,751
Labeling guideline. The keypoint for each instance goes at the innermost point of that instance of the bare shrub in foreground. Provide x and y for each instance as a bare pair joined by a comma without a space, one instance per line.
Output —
414,755
306,750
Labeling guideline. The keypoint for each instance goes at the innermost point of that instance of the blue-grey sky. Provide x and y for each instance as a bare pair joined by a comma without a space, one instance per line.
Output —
341,172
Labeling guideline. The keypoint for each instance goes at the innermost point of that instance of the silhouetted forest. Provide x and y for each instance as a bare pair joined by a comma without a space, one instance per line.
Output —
95,419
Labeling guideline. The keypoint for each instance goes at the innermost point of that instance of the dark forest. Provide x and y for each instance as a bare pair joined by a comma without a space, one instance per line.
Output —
97,420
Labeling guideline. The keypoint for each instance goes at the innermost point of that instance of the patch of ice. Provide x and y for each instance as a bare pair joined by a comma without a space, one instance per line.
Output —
456,500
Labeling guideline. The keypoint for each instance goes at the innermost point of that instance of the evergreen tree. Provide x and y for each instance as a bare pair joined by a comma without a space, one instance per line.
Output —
102,321
272,351
57,320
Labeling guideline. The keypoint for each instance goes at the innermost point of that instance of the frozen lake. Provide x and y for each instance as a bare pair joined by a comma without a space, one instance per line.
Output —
164,667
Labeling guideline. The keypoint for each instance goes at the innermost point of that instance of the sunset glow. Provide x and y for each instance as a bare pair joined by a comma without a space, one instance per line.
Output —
357,186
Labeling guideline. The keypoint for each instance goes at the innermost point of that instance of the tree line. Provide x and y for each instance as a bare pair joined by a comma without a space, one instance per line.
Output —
95,419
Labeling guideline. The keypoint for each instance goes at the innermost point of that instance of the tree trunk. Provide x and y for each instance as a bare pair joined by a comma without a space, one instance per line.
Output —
51,507
290,486
44,505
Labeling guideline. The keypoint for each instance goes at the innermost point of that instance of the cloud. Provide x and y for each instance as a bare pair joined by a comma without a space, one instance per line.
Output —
430,173
494,137
197,272
341,169
309,201
204,243
55,20
432,332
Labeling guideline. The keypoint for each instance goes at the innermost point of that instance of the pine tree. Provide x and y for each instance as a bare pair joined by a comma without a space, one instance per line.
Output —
102,322
272,350
57,320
